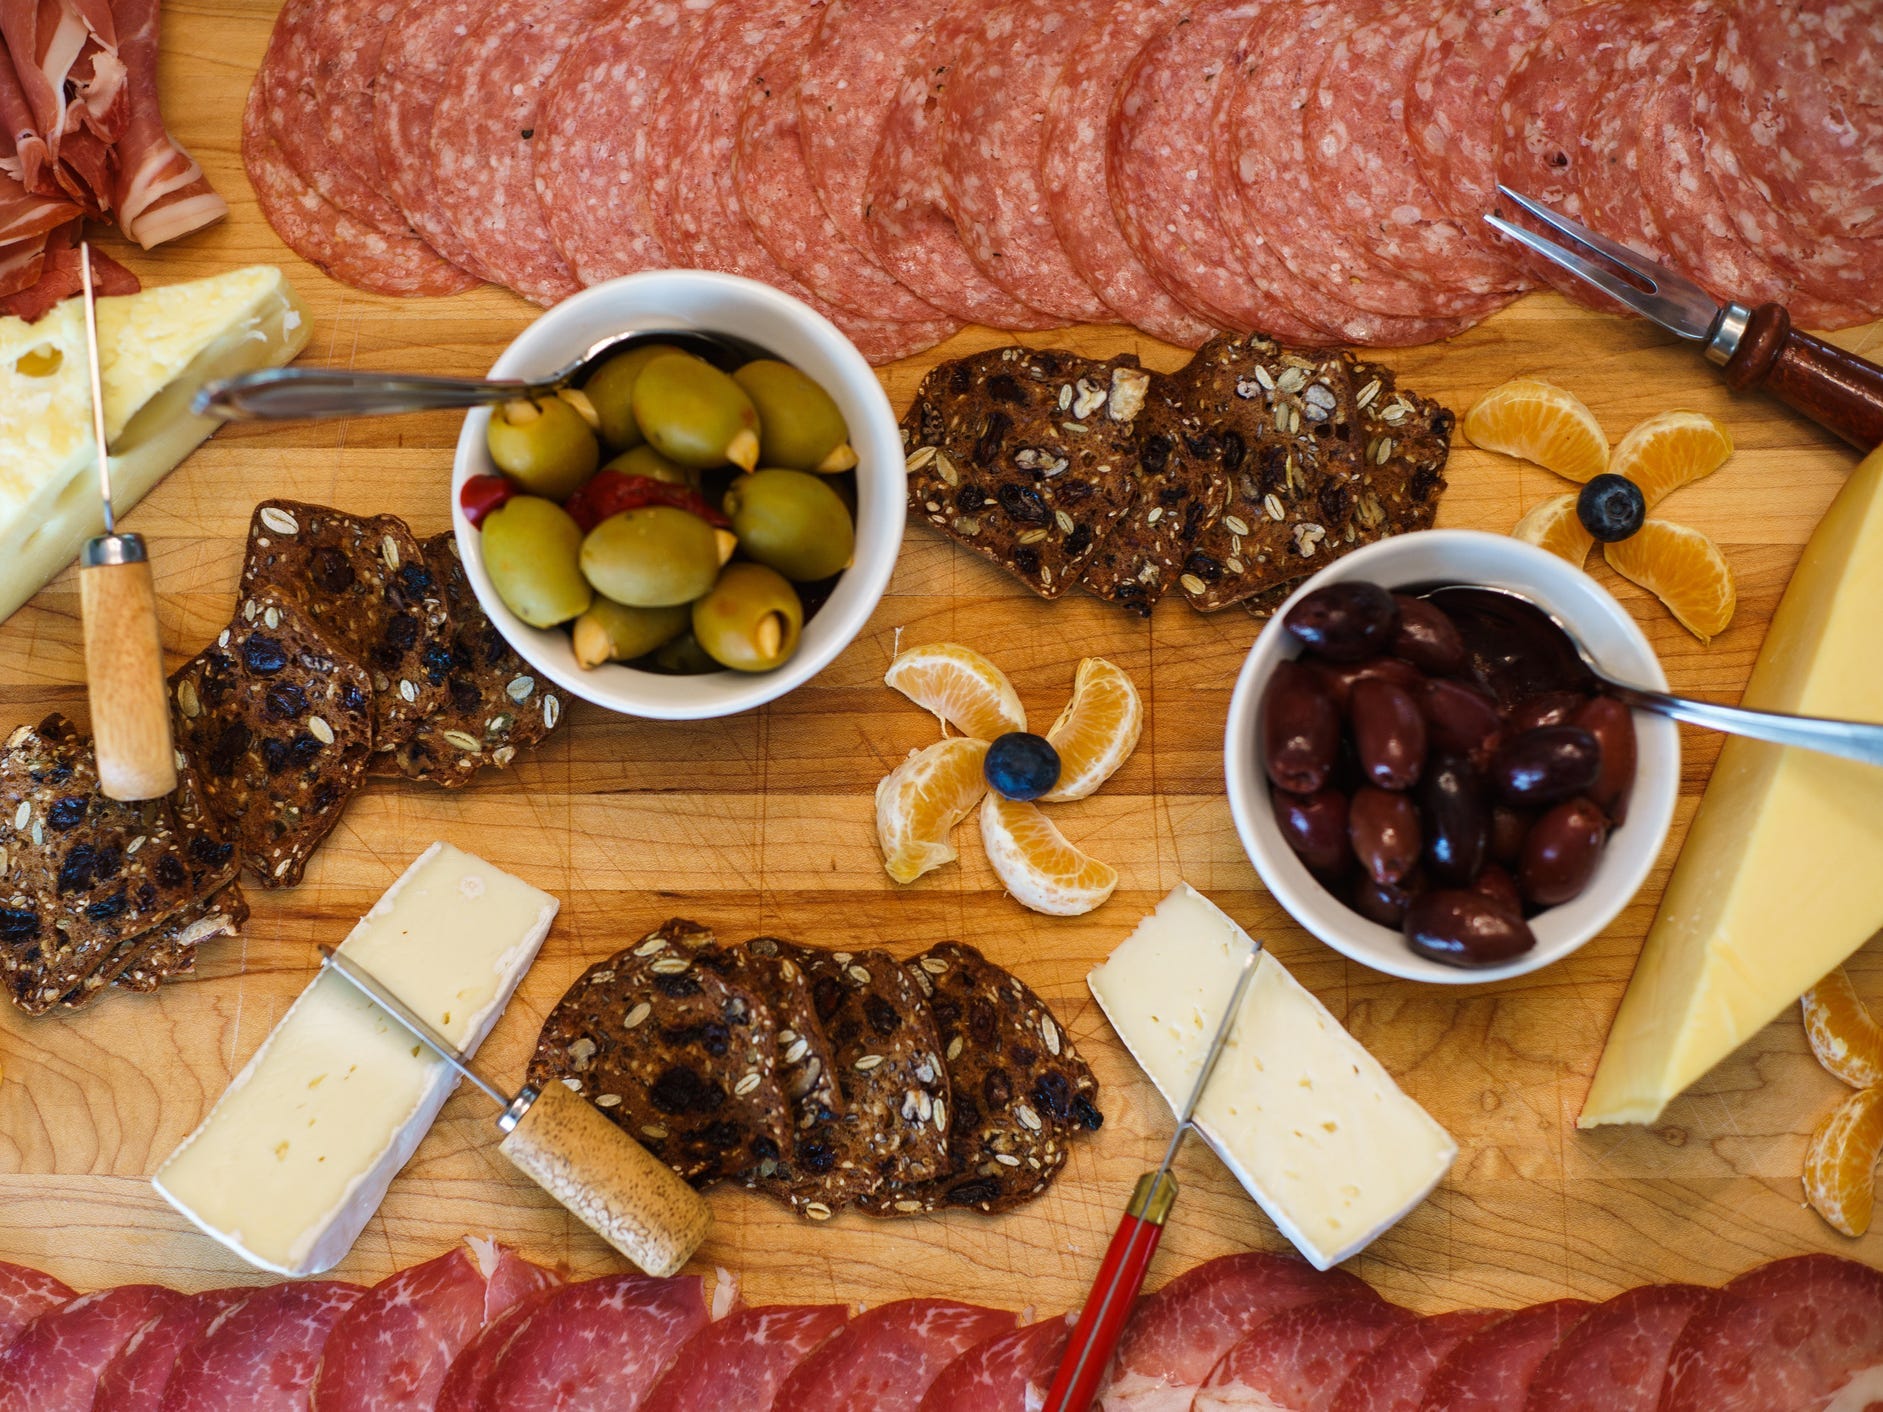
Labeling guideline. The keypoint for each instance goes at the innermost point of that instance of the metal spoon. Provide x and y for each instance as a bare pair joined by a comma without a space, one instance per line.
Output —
1467,603
288,394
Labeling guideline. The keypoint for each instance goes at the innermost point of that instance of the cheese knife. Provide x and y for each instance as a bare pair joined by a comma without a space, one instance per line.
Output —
560,1141
130,702
1128,1258
1753,348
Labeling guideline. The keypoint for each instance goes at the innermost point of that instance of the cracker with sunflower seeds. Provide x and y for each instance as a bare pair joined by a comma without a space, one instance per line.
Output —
170,951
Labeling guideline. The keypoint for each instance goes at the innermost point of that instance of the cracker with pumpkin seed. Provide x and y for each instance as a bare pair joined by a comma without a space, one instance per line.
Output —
1021,1092
1027,456
679,1056
364,580
170,951
277,722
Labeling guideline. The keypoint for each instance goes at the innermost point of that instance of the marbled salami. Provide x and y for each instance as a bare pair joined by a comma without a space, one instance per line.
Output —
135,1378
1008,1372
260,1355
53,1364
597,1345
1299,1358
886,1359
743,1359
1393,1377
25,1294
1616,1356
1491,1370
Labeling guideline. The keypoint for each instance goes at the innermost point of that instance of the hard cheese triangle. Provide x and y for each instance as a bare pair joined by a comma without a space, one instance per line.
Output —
1782,876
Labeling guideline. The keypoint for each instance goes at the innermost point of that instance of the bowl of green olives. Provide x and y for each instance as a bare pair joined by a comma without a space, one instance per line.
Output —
699,519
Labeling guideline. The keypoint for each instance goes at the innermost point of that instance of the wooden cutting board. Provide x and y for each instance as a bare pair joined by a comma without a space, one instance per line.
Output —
763,823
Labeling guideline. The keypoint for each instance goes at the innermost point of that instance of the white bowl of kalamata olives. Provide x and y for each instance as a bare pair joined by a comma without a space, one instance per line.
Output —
703,518
1426,786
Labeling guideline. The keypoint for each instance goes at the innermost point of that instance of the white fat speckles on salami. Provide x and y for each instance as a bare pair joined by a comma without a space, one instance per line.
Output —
596,1347
260,1355
1393,1377
53,1364
886,1358
351,40
993,112
1073,143
1616,1356
1300,1357
1008,1371
743,1359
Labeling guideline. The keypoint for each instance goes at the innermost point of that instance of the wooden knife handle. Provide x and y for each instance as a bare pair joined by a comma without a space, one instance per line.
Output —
613,1185
1836,389
124,675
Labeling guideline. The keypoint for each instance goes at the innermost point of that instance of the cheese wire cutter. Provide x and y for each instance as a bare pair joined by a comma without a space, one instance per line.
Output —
1753,348
1128,1258
130,701
560,1141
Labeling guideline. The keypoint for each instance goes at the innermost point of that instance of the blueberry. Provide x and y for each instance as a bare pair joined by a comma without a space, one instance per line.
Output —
1021,766
1611,508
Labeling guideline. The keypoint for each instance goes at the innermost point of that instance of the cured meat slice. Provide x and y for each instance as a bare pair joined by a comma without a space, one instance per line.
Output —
993,110
59,50
1073,143
25,1294
599,1344
1299,1358
1616,1356
742,1360
1393,1377
159,191
512,1279
135,1378
348,45
483,143
26,217
1177,1336
52,1365
905,210
1006,1373
1491,1370
886,1358
57,277
470,1372
260,1355
1805,1333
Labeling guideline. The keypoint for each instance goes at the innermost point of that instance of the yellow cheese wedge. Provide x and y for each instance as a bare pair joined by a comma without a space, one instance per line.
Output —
1782,876
155,349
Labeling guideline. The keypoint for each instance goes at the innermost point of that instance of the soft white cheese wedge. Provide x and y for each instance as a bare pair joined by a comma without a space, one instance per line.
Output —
296,1156
1307,1119
156,348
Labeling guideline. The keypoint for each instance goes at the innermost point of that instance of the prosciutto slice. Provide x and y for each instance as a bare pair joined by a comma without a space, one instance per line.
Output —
886,1359
594,1346
1299,1359
470,1372
1491,1370
135,1378
159,192
1009,1372
1394,1376
1616,1356
54,1362
67,73
58,277
260,1355
743,1359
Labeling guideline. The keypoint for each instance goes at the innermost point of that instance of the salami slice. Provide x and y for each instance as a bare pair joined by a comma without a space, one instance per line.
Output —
599,1344
25,1294
1795,1333
1393,1377
351,39
1491,1370
993,111
470,1373
1616,1356
260,1355
887,1358
53,1364
1299,1358
1009,1371
135,1378
742,1360
1177,1336
1078,193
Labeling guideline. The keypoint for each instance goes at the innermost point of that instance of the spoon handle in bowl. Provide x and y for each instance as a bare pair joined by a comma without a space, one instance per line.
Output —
1861,741
289,394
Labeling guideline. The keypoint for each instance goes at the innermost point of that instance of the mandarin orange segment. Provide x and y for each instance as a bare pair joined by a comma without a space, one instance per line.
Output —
1554,525
919,803
1666,452
961,686
1684,569
1541,423
1036,863
1847,1041
1840,1163
1097,731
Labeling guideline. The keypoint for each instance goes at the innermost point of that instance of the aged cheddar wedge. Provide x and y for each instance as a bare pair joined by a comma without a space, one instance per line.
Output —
155,349
1304,1116
297,1154
1781,877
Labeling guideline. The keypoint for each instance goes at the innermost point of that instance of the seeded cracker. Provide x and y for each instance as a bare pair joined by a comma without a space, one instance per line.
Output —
1021,1091
277,722
1027,456
679,1056
171,950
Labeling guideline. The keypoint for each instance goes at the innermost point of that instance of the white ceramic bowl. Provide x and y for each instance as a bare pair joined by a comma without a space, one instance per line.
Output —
784,327
1463,556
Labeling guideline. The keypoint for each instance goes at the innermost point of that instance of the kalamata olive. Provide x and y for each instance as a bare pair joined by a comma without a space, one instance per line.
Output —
1454,819
1389,733
1509,828
1380,902
1546,765
1613,726
1339,677
1300,730
1384,829
1460,719
1463,928
1344,622
1315,826
1551,708
1561,852
1497,884
1427,638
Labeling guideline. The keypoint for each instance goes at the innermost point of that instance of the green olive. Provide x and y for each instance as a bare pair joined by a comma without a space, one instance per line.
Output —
683,657
646,461
614,632
544,446
799,425
694,414
751,620
791,522
653,557
611,389
532,552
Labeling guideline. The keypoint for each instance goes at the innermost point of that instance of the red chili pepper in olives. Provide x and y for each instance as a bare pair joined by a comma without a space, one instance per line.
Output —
1546,765
1498,885
1340,677
1613,726
608,493
1383,827
1460,719
1389,733
1380,902
1561,852
1509,828
1300,730
1551,708
1463,928
1455,821
1344,622
1426,637
1315,826
481,495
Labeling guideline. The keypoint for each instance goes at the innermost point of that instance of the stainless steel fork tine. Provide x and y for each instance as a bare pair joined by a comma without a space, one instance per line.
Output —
1595,274
1653,275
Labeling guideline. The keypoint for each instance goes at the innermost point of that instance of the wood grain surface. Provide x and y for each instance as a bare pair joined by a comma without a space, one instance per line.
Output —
763,823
